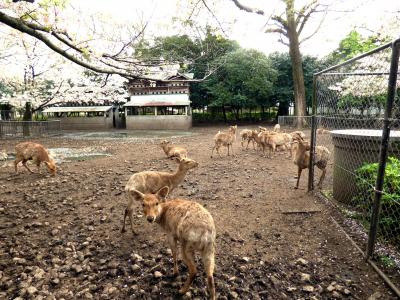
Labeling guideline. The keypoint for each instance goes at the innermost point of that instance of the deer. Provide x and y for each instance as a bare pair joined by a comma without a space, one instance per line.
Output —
37,153
173,151
246,135
302,159
224,139
152,181
277,128
274,140
188,224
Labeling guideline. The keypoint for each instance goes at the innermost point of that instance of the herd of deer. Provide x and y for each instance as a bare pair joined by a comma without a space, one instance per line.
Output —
187,223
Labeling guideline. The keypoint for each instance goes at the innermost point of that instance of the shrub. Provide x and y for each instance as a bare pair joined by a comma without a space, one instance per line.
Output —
389,220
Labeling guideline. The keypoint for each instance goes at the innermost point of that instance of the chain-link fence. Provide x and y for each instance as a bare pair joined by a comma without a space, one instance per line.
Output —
293,122
29,128
356,106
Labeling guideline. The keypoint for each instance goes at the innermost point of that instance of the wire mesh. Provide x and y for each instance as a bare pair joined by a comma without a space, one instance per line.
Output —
292,122
350,102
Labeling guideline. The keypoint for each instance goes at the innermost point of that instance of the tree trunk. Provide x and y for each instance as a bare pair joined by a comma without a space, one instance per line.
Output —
27,117
297,66
224,113
283,110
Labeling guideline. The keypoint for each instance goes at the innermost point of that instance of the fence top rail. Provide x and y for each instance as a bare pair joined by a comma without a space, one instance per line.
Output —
31,122
383,47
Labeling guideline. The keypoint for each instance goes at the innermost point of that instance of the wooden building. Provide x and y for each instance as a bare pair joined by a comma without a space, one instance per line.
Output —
159,104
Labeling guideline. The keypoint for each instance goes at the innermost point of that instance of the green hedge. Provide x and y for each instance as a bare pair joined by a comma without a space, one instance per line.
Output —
389,221
219,117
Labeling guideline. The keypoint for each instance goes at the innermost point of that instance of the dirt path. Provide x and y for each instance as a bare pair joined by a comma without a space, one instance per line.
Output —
60,236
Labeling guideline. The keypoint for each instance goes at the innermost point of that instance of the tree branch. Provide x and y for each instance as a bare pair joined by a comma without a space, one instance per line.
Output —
276,30
248,9
307,16
214,16
34,30
49,99
281,21
316,30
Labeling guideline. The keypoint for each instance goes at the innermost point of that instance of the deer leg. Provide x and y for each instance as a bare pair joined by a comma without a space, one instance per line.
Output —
321,179
233,154
16,162
24,164
128,213
298,177
209,265
212,151
38,166
125,215
187,255
228,149
174,248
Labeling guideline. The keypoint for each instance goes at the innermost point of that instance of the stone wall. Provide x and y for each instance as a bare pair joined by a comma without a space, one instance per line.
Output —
86,123
159,122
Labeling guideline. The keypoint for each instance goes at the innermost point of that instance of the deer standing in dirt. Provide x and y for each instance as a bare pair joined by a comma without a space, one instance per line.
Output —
37,153
246,135
224,139
152,181
187,223
302,159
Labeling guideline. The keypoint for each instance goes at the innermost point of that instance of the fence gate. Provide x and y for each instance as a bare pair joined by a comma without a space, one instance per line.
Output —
356,116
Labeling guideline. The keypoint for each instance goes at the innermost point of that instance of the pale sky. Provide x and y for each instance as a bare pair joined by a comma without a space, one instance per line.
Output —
247,28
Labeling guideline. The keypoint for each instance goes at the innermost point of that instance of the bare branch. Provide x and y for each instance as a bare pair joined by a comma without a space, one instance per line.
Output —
105,81
248,9
316,29
281,21
214,16
306,17
128,43
49,99
282,41
276,30
302,12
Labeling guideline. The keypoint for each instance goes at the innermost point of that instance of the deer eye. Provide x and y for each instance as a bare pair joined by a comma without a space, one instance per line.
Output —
156,203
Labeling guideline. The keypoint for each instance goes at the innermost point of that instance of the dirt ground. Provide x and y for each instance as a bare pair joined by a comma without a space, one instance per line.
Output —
60,236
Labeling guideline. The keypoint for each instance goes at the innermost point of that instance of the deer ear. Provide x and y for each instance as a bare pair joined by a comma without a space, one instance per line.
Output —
136,194
163,192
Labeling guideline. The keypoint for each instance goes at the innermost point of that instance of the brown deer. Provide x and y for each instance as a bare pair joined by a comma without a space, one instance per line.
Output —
152,181
172,150
224,139
187,223
302,159
37,153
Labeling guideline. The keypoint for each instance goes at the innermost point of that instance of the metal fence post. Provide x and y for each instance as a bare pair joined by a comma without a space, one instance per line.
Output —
313,137
383,148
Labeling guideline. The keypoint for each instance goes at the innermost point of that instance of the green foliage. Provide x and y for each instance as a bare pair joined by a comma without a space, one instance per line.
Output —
217,116
354,44
363,102
245,79
283,88
387,261
389,222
